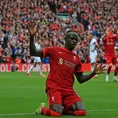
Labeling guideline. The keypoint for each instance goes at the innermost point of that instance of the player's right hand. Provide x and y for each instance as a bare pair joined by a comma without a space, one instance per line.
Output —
32,29
107,31
99,69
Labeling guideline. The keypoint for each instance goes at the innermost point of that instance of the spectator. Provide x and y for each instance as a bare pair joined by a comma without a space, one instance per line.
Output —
95,15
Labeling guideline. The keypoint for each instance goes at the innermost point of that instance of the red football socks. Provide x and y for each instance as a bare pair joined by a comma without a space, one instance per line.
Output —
76,113
70,112
116,71
109,69
49,112
80,113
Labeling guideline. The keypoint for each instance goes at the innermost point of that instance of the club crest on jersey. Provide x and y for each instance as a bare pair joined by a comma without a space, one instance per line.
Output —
61,61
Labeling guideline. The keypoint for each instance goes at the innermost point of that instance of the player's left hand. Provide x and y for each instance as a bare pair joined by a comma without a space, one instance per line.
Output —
92,50
99,69
32,29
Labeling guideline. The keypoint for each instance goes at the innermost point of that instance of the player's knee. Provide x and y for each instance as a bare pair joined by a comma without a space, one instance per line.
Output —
80,113
110,65
57,109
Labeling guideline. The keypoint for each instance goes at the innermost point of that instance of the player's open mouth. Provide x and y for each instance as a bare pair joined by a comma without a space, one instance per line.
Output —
73,44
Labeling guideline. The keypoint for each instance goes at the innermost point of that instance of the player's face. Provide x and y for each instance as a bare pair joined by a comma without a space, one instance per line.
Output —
71,43
111,29
89,36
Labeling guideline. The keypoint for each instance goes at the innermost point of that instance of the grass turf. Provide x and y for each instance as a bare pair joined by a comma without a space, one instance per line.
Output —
22,94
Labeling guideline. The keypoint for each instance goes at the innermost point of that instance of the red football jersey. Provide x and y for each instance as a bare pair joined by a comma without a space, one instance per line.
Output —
109,44
63,65
117,58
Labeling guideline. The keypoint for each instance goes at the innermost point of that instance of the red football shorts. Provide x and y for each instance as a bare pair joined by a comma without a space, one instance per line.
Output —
63,96
111,60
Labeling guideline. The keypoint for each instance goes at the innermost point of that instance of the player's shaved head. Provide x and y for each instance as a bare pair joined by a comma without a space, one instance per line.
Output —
71,34
71,39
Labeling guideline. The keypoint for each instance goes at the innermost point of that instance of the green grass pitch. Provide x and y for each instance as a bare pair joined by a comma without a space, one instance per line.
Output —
21,95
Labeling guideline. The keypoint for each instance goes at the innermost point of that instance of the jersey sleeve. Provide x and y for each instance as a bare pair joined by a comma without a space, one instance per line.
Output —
93,41
78,68
48,51
115,37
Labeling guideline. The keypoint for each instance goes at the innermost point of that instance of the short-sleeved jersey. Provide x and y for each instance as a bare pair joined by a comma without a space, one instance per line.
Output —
93,46
117,59
109,44
63,65
38,46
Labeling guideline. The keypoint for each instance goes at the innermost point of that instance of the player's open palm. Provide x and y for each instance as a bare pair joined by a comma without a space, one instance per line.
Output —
99,69
32,29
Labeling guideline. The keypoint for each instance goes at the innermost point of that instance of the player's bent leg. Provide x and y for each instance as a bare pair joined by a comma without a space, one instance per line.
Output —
76,112
108,72
76,109
80,113
35,63
28,71
79,109
73,104
79,106
40,69
92,68
55,110
115,73
55,103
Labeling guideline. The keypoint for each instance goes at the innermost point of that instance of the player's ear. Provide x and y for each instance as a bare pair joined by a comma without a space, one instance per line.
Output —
65,38
64,42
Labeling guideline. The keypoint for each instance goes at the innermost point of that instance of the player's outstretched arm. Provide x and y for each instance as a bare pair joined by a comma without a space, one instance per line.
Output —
105,34
83,78
33,51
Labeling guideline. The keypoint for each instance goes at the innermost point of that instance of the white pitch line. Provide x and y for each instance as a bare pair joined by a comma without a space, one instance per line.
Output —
17,114
23,114
102,110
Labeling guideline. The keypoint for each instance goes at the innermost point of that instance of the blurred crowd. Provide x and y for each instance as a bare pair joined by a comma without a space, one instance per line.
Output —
84,15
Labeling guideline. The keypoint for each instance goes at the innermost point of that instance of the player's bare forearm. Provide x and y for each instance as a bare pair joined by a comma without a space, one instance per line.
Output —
83,78
33,51
104,36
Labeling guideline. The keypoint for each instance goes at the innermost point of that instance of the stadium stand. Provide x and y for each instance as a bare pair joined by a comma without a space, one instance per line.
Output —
53,18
